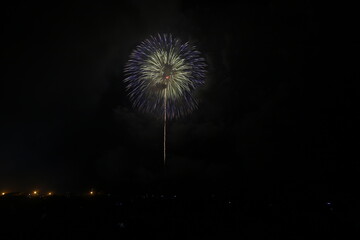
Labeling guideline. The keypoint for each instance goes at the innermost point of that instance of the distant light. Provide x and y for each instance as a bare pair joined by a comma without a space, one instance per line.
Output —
328,203
50,193
91,192
3,194
35,192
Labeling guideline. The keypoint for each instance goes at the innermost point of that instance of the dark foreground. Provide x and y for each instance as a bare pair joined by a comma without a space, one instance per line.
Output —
173,217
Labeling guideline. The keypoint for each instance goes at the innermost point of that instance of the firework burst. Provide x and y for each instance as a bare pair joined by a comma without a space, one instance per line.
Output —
164,71
162,75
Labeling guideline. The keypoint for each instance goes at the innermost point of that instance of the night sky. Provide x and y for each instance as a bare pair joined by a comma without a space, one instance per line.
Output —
276,114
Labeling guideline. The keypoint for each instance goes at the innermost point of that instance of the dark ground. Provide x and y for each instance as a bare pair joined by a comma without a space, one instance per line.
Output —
184,216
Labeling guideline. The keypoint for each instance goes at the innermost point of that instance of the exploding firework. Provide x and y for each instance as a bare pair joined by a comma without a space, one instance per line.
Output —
163,71
162,75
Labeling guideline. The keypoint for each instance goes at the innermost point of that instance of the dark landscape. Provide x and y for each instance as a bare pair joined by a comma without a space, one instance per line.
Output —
270,152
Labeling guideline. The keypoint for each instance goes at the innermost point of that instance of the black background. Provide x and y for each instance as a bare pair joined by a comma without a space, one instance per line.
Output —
277,114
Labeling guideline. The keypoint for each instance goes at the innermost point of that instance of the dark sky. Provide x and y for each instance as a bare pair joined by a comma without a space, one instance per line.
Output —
275,113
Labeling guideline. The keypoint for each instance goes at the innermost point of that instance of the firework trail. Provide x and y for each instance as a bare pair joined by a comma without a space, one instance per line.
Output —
162,75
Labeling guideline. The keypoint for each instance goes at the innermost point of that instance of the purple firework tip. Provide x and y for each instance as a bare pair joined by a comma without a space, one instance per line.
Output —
160,69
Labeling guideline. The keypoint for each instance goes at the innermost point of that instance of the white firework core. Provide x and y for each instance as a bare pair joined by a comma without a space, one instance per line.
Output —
166,69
